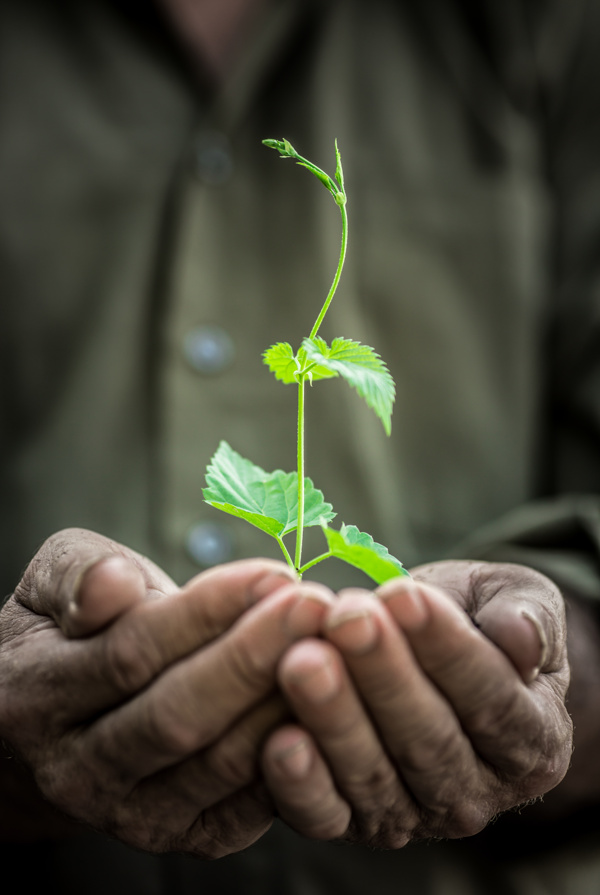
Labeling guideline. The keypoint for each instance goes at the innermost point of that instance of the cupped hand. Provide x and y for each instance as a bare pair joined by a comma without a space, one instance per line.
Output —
424,711
140,707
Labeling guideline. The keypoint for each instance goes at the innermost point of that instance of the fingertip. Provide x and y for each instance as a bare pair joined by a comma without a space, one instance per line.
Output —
404,599
301,785
306,616
105,589
310,672
271,575
518,633
541,643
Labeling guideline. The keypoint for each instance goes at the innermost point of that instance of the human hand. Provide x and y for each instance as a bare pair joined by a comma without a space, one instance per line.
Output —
413,722
148,728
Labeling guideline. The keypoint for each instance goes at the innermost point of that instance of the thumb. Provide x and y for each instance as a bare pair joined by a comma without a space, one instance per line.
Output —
83,581
516,607
525,619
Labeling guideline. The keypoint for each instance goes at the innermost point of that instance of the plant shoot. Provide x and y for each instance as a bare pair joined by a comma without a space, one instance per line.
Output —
280,503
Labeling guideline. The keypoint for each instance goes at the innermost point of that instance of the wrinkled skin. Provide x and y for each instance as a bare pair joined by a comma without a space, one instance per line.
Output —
140,707
427,710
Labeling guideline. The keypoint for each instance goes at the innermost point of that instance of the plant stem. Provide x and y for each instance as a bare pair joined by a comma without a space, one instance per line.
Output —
285,552
338,273
314,561
300,461
337,190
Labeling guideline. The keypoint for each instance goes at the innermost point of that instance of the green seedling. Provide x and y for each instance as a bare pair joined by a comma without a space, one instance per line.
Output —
280,503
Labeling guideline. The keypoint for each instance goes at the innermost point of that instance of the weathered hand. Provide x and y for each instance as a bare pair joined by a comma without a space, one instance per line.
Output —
149,728
413,722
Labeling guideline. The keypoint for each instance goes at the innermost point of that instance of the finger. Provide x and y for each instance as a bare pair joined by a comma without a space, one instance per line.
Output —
431,753
198,698
518,634
317,685
83,580
69,682
526,619
154,636
313,677
230,826
514,728
222,594
187,791
302,787
104,590
519,609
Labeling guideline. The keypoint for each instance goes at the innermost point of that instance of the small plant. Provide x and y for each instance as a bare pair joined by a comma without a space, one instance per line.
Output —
280,503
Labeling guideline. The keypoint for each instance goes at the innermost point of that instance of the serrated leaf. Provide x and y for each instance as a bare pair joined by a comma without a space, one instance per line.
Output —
360,550
268,500
282,362
362,367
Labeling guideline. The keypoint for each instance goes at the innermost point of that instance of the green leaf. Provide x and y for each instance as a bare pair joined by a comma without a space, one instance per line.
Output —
359,549
268,500
284,364
362,367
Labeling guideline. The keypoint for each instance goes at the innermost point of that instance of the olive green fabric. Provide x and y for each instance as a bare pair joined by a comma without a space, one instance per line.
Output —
470,147
114,247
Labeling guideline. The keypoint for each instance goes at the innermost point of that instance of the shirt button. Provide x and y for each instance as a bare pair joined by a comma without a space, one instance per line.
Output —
214,159
209,544
208,349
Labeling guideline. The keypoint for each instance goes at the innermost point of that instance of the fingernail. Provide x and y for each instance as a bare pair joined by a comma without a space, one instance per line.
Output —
272,581
354,632
75,577
543,643
295,760
405,602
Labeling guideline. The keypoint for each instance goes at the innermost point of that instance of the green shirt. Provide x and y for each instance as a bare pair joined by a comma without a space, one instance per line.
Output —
151,248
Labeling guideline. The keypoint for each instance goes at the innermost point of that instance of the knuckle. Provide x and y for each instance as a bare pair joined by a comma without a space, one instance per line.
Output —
551,763
379,783
232,764
334,827
229,826
328,819
466,818
210,846
440,749
384,809
390,828
136,826
249,668
129,660
172,727
496,715
457,813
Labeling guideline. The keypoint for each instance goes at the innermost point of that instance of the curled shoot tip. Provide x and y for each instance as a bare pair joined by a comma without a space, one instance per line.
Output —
335,187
